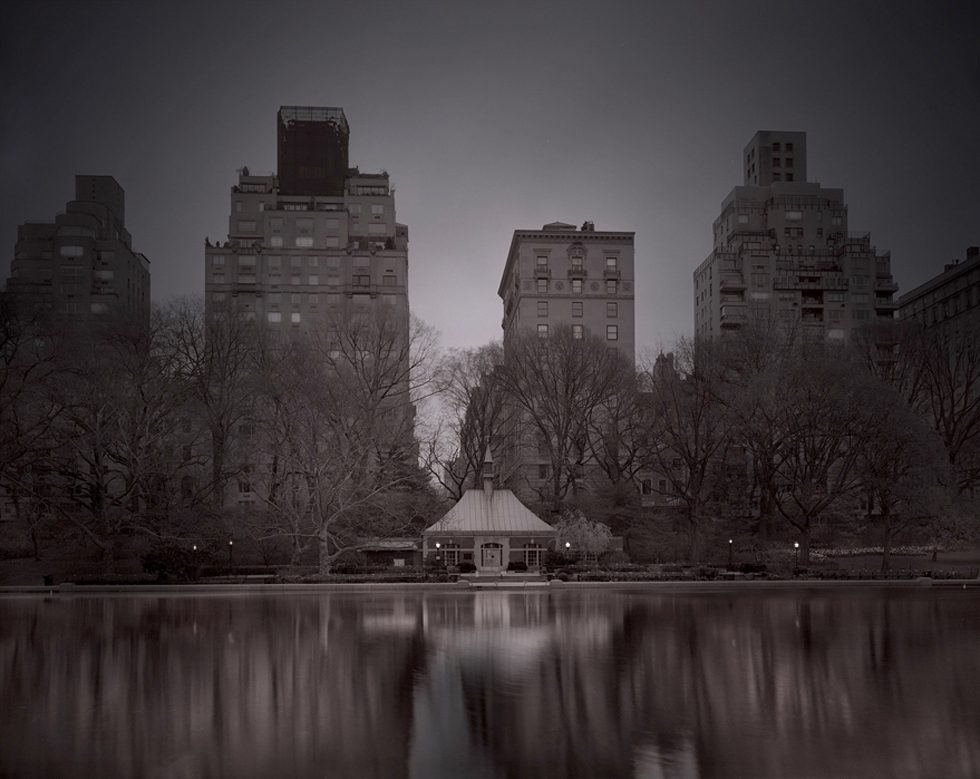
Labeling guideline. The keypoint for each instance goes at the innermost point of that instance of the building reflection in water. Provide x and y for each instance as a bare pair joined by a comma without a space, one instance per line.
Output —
493,684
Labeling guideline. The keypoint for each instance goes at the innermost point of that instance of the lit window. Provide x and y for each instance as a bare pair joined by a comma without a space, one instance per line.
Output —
304,241
612,332
576,285
542,308
612,263
612,286
274,316
542,286
542,331
612,309
377,210
541,261
577,332
576,308
295,317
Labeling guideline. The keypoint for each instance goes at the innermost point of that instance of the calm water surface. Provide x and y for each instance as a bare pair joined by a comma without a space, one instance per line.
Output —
882,683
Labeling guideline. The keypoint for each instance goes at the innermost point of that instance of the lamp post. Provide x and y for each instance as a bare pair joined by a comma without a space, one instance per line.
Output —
231,547
194,547
796,546
731,551
438,547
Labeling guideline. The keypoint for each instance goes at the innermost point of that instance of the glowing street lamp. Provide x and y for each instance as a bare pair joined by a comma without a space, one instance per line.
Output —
796,546
231,546
731,548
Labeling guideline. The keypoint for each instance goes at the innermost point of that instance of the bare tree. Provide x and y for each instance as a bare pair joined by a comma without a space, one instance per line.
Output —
472,412
30,345
340,452
691,431
903,470
215,356
558,386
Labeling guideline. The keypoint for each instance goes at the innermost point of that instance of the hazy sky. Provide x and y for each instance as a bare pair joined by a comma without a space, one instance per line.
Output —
492,116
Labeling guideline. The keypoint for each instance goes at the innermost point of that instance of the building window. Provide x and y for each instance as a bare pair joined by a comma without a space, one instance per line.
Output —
314,279
542,286
362,281
388,300
612,309
274,316
576,308
542,308
295,317
246,226
612,286
612,263
275,241
377,210
273,263
217,261
576,286
577,332
612,332
542,331
532,555
541,261
388,279
304,241
775,146
577,261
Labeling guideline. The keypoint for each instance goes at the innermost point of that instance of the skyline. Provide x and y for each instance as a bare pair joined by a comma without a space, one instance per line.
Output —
494,120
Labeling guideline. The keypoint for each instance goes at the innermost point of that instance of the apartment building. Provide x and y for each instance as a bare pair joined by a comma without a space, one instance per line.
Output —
950,301
783,253
314,252
302,261
82,266
563,275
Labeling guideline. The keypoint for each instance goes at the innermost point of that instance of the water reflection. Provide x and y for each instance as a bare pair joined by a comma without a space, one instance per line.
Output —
573,684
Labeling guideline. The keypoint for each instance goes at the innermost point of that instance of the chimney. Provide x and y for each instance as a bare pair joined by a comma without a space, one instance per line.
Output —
488,475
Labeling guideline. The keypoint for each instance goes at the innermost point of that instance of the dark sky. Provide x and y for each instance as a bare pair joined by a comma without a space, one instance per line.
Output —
492,116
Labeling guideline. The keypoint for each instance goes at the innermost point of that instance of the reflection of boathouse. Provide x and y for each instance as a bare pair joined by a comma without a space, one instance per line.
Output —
490,528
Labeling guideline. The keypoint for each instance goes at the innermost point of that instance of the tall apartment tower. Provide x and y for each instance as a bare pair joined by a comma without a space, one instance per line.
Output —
783,254
317,244
562,275
82,265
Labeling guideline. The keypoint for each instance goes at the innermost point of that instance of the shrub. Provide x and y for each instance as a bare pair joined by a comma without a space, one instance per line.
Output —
177,562
517,565
467,567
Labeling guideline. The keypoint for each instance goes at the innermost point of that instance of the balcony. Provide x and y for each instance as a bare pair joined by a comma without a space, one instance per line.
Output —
733,315
577,272
611,273
732,282
542,272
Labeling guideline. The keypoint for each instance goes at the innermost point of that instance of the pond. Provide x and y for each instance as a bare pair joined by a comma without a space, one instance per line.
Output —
573,683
